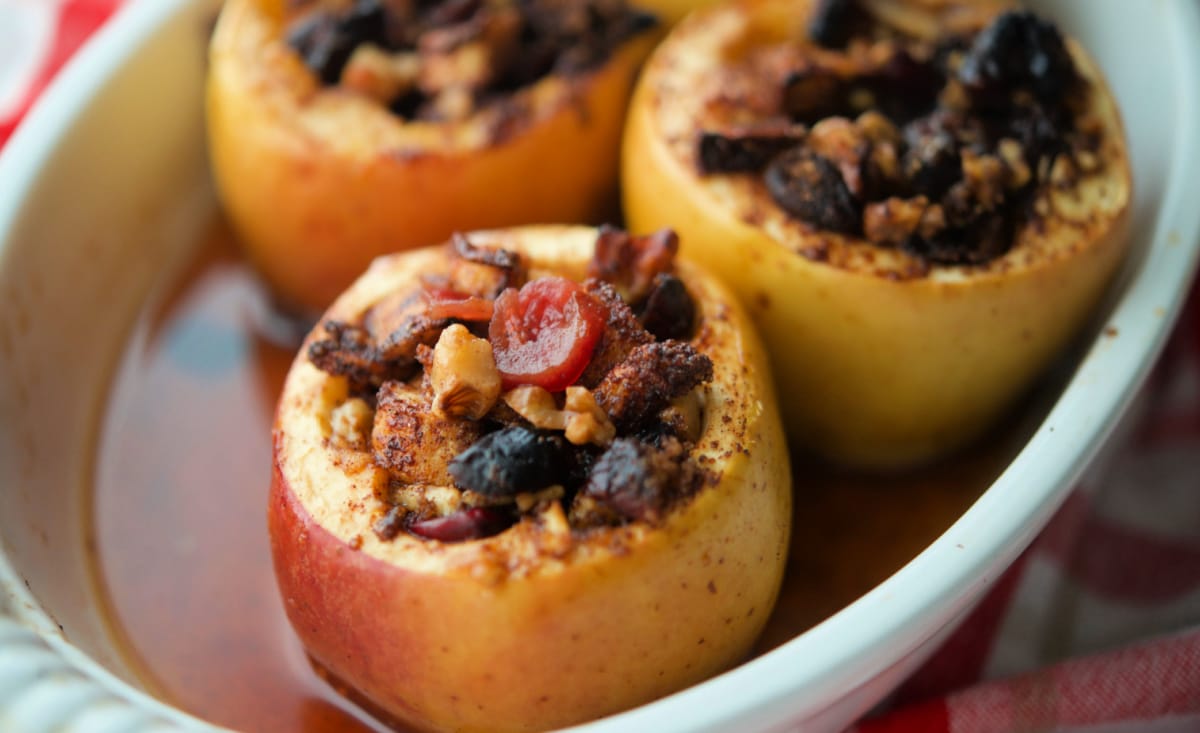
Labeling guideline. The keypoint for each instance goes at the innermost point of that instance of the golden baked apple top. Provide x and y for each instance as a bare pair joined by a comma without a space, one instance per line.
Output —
919,201
548,452
344,129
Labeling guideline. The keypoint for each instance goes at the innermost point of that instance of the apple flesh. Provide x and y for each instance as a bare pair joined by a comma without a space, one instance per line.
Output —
880,369
538,626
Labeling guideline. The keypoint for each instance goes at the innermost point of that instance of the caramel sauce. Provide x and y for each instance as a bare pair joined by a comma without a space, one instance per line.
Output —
180,511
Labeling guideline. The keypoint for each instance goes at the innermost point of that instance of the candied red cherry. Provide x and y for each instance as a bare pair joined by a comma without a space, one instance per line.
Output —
544,334
445,303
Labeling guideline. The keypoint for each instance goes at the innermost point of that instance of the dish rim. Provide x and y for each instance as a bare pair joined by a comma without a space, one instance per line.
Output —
840,652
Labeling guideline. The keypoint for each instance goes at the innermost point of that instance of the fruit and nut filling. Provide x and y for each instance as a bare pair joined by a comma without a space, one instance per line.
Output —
933,141
442,60
490,393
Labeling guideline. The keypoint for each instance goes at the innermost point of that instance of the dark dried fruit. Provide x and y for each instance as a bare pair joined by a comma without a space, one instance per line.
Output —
905,88
810,95
834,22
636,480
669,311
1018,50
511,461
326,40
466,524
810,187
982,240
742,150
931,162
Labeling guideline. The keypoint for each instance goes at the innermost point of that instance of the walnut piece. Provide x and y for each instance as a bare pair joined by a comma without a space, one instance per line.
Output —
581,419
464,377
380,75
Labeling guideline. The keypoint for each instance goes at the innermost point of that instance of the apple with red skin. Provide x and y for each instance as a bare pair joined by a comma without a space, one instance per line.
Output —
538,626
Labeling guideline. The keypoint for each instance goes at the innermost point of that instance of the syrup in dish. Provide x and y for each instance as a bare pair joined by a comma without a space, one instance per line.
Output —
180,499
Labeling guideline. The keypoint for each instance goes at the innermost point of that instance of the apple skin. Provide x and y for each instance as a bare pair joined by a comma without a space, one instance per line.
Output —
319,181
510,633
878,370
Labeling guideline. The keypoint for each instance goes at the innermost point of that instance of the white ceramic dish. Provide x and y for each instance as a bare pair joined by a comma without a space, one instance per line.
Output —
105,188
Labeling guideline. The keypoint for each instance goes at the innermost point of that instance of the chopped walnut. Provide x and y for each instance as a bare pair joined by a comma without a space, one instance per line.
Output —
380,75
555,538
844,144
893,220
984,176
351,424
580,417
463,374
527,500
1013,155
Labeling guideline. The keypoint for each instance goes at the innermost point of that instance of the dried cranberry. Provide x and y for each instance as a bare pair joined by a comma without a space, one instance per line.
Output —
810,187
513,460
545,333
466,524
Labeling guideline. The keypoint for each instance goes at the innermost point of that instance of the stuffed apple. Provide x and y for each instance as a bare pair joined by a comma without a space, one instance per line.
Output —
919,203
529,478
340,131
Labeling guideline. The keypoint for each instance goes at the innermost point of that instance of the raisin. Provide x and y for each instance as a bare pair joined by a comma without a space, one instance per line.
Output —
931,162
810,187
668,312
810,95
834,22
513,460
327,40
746,149
636,480
905,88
1018,50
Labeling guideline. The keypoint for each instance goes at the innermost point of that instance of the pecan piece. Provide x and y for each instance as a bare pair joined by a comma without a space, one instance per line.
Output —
649,378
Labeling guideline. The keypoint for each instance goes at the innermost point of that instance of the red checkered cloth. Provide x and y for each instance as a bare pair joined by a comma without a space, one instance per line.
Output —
1096,628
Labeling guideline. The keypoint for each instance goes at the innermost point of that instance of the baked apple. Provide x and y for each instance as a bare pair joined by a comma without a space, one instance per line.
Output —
918,202
340,131
529,478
